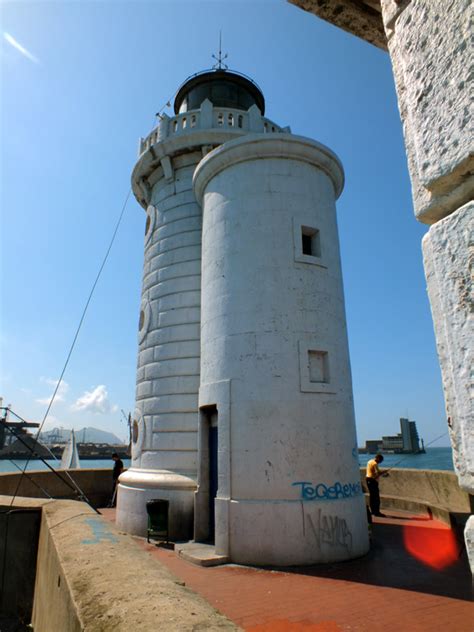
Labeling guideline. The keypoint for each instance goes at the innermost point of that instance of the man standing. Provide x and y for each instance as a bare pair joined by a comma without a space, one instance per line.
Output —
372,476
118,469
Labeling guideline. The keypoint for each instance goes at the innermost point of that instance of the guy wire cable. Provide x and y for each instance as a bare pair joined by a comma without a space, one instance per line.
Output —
73,344
32,480
75,487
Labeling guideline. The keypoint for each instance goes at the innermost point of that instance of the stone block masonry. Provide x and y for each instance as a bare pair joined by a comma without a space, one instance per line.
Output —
448,253
428,47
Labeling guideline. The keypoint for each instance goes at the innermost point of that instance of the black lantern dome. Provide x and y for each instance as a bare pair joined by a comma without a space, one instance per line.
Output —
224,88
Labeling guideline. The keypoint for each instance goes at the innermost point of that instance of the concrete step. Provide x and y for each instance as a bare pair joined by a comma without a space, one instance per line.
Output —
200,553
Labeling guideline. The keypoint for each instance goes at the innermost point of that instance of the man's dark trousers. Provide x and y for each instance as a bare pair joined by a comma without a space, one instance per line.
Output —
374,495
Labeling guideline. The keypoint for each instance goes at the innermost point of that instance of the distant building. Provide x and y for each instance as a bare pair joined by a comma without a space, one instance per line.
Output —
411,441
372,446
392,442
405,441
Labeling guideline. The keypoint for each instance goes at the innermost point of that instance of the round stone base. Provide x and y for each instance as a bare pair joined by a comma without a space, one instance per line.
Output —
136,487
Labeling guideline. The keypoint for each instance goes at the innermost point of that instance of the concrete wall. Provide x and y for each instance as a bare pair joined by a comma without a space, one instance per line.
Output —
87,578
428,486
95,483
418,490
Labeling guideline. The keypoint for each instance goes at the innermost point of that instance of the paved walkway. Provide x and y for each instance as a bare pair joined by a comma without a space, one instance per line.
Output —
425,590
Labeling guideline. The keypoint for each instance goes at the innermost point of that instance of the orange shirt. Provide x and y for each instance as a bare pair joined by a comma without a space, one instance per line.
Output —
372,469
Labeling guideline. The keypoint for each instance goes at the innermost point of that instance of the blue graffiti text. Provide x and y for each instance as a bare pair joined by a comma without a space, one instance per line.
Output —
100,531
337,491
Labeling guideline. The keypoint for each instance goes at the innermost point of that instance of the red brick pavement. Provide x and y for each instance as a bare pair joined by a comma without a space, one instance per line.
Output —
388,589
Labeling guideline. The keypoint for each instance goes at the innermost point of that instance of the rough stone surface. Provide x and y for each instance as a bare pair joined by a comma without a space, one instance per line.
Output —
359,18
448,251
428,50
469,539
391,9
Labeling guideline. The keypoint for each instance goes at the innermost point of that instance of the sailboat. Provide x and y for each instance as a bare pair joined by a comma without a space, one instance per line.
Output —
70,457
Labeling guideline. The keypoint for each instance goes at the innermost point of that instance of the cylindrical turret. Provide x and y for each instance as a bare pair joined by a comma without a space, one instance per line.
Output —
164,437
274,355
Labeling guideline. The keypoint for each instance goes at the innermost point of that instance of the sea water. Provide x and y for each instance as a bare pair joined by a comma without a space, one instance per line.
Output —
37,464
434,459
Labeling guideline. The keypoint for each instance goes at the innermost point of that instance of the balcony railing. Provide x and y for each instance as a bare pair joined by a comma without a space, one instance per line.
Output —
209,117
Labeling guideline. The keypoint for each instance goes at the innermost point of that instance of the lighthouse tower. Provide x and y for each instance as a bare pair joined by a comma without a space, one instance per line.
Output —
244,415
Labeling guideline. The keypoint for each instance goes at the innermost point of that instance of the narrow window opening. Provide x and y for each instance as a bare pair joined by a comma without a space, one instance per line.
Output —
175,126
318,367
185,122
230,119
310,241
193,120
135,431
220,119
240,121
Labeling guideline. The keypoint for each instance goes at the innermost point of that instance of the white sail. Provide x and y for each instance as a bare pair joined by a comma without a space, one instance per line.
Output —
70,458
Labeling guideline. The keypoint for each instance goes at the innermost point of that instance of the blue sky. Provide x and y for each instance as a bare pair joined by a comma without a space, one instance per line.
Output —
81,82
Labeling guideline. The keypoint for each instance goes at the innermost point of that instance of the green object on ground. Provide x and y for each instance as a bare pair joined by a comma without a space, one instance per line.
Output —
157,510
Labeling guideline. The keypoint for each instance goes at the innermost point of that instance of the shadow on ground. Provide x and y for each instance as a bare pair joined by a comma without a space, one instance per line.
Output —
390,564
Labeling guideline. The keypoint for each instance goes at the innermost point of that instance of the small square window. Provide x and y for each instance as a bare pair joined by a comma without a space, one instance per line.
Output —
311,244
307,243
318,367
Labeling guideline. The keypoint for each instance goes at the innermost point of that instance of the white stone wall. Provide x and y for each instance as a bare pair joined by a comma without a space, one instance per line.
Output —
289,490
428,44
429,49
164,446
168,359
448,250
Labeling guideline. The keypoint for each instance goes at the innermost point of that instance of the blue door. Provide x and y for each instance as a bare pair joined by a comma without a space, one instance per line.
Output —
212,474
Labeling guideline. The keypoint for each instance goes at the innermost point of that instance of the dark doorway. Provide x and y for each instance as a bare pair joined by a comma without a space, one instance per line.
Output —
211,415
19,534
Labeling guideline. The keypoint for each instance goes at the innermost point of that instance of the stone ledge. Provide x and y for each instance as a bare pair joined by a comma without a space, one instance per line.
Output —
90,576
423,490
360,18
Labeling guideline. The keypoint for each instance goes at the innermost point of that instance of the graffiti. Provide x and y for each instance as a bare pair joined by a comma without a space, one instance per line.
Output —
337,491
330,530
100,531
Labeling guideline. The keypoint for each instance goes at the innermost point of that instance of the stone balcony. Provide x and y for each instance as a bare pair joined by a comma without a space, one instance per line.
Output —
201,130
207,118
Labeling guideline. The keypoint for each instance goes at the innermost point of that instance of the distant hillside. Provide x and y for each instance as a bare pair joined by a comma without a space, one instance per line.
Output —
84,435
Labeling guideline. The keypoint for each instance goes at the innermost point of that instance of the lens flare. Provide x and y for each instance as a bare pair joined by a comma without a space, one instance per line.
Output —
435,546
